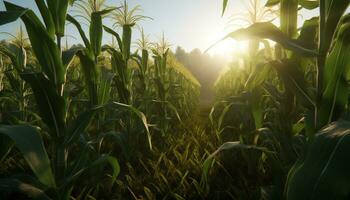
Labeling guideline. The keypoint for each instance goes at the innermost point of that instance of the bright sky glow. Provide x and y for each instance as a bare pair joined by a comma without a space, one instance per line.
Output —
186,23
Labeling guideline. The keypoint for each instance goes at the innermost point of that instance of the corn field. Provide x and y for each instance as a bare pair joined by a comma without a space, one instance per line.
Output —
124,120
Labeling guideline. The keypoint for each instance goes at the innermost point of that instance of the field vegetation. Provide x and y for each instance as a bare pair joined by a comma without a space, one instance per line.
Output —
114,121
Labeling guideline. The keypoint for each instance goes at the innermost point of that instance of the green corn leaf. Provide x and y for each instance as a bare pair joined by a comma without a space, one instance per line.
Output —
289,17
116,35
58,10
123,74
120,139
213,111
335,94
81,32
257,108
105,11
224,6
47,17
307,4
14,82
6,145
223,115
226,146
258,76
112,161
44,48
294,81
171,107
272,3
85,165
140,115
30,144
15,185
308,33
10,16
17,55
267,30
322,172
105,86
68,55
79,125
91,75
50,104
331,12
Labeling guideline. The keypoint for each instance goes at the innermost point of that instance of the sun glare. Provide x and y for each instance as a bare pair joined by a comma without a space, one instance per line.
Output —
227,48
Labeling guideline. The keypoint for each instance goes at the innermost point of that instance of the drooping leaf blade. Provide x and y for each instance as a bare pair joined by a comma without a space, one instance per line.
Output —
140,115
30,144
266,30
44,48
10,16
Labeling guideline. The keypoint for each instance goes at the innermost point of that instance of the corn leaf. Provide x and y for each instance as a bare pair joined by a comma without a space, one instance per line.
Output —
330,13
308,33
289,17
10,16
323,171
50,104
116,35
15,185
17,55
307,4
79,125
120,139
266,30
90,72
139,114
272,2
81,32
47,17
226,146
6,145
335,94
224,6
68,55
44,48
294,81
112,161
30,144
58,10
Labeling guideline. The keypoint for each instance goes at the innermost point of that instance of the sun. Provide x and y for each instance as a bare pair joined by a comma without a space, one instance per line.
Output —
229,48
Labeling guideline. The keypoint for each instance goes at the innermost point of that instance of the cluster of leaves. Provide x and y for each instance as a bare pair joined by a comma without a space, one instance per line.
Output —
69,112
288,104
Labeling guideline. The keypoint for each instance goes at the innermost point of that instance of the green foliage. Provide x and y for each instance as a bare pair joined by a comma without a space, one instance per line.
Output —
67,114
29,142
321,172
310,92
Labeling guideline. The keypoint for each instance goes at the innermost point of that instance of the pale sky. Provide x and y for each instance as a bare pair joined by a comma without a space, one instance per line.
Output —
186,23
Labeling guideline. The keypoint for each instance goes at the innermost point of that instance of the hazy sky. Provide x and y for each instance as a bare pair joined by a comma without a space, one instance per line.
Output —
187,23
